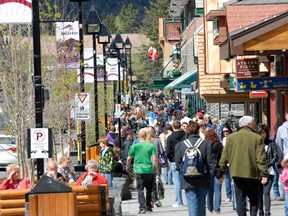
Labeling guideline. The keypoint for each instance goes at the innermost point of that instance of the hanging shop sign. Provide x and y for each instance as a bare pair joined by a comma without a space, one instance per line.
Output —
247,67
265,83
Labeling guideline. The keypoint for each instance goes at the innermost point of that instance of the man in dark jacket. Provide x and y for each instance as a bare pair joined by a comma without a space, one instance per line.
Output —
196,188
245,152
172,140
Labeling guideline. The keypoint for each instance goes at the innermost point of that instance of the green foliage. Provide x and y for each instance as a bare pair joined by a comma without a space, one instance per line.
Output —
150,22
150,69
110,23
128,19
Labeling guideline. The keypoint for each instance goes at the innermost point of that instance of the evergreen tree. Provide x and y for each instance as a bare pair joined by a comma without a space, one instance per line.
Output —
110,22
128,19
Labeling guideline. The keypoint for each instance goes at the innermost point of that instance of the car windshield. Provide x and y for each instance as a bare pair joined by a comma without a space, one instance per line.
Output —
7,140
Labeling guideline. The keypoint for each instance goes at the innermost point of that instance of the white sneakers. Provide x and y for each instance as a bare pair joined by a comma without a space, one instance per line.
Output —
176,205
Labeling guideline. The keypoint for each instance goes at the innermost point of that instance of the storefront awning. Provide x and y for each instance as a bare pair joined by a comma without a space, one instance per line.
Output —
160,83
184,81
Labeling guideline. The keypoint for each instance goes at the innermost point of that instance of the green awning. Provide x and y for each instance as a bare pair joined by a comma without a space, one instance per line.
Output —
184,81
160,83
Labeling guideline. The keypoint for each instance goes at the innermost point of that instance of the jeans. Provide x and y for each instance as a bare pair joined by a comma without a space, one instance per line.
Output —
177,187
228,183
214,195
264,190
196,201
275,185
109,177
144,181
246,187
167,173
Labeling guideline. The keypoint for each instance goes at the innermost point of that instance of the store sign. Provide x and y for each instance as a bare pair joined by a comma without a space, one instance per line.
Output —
173,31
247,67
265,83
258,94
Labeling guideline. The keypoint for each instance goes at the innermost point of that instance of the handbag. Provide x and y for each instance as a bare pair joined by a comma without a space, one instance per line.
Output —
162,156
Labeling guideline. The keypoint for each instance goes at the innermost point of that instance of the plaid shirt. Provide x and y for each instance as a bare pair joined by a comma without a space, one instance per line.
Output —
106,162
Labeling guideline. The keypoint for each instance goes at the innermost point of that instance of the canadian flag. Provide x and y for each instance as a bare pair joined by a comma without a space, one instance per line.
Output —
152,54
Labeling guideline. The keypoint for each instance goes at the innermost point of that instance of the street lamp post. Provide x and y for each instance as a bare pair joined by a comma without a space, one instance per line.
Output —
104,39
119,45
128,48
82,84
93,27
37,78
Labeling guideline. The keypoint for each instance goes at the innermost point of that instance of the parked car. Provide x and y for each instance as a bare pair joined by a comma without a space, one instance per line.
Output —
8,152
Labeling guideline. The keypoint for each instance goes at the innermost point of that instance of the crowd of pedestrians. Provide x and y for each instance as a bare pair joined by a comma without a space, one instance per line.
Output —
153,136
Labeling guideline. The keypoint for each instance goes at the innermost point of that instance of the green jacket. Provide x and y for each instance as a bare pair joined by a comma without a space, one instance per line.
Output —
245,153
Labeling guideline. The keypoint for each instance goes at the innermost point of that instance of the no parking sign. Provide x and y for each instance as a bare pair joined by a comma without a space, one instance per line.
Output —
39,143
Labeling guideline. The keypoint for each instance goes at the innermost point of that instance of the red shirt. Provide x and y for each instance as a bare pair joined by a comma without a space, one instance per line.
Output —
19,184
98,179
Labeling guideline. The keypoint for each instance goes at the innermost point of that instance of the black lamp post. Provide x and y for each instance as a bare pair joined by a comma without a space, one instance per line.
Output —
93,27
119,45
104,39
128,48
37,78
82,85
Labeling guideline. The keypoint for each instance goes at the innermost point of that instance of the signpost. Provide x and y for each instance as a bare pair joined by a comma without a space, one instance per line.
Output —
82,106
117,110
39,143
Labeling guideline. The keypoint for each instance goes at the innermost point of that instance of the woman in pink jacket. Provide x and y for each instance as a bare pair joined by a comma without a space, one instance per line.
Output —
13,181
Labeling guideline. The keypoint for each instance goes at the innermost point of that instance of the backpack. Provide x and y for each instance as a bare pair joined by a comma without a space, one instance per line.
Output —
192,165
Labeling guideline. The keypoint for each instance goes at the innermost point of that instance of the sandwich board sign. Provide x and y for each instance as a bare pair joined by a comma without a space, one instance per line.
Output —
39,143
82,106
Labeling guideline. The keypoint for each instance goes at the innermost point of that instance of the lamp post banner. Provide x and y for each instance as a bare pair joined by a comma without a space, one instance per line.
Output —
112,69
89,67
19,11
67,37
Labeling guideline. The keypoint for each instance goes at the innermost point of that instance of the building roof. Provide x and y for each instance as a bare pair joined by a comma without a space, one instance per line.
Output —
255,2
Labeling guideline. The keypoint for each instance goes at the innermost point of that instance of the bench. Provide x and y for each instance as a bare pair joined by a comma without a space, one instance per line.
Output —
90,200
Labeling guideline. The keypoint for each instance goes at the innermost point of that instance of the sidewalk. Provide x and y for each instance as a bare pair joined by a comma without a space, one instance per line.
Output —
131,207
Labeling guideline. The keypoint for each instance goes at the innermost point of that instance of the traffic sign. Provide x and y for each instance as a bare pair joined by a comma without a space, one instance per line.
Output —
39,143
117,110
82,106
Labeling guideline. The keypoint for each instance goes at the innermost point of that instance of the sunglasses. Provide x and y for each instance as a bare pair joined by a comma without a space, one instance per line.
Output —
225,131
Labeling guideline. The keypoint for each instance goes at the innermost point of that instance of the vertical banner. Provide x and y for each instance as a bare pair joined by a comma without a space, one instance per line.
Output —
112,69
89,67
67,37
15,11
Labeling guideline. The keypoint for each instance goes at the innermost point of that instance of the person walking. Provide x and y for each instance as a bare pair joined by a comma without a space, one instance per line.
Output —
167,172
226,130
172,141
106,160
245,153
214,193
196,188
143,168
271,158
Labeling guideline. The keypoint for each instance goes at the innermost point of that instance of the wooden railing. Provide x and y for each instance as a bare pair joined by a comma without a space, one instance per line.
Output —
89,200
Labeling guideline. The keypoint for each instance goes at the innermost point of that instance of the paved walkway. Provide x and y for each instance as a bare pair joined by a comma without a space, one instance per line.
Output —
131,207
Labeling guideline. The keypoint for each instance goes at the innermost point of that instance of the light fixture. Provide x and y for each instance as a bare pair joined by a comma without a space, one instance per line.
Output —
93,22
